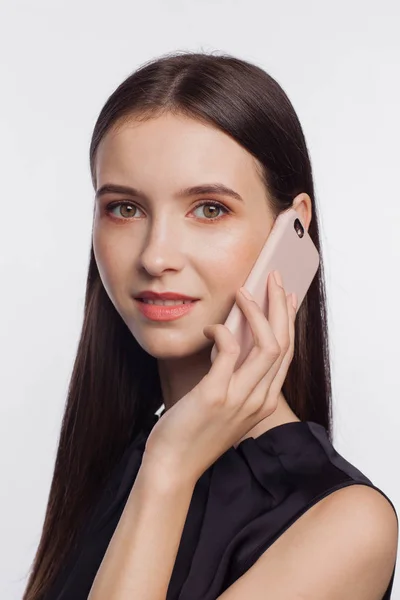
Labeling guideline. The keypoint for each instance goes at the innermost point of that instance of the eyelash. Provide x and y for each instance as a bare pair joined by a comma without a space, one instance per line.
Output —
113,205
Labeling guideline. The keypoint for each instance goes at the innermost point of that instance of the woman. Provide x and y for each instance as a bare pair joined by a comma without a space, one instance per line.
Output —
235,491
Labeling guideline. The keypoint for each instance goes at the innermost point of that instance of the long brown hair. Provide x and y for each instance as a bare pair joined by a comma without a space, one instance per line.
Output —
112,373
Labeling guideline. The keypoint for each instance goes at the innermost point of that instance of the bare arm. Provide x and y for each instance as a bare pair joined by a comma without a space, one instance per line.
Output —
141,555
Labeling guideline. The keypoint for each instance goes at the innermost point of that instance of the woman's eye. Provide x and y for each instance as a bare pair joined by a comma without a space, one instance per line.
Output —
130,208
211,216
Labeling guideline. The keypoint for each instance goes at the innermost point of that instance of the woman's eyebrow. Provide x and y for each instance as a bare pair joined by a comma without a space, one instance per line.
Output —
207,188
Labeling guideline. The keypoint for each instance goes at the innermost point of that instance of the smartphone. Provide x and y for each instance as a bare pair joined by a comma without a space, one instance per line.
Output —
291,251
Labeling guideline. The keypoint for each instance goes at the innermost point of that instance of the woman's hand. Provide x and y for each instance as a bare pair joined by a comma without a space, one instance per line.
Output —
226,404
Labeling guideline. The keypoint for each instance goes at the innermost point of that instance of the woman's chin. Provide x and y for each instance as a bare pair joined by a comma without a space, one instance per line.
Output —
173,349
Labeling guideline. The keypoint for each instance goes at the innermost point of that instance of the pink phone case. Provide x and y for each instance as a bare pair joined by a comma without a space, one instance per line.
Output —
291,251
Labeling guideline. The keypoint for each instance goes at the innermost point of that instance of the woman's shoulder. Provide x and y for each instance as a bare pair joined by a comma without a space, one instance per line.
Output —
300,476
347,541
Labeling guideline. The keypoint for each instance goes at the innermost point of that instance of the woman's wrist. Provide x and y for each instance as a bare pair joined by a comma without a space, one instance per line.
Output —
165,474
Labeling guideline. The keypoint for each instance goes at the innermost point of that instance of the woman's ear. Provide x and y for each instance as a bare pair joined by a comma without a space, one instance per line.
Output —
303,205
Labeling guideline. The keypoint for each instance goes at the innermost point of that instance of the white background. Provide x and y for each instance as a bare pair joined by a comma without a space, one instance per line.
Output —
339,63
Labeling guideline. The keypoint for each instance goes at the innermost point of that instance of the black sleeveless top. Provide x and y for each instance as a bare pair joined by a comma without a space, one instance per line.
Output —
239,507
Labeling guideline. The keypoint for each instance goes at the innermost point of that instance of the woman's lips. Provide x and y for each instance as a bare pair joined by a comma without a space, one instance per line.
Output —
159,312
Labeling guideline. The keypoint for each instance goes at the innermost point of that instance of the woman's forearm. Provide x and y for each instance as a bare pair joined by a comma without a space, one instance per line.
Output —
140,558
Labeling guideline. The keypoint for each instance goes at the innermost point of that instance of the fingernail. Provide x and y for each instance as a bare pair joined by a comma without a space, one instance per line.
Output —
246,294
294,300
278,278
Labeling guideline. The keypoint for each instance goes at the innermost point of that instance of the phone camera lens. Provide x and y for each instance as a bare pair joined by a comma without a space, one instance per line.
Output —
299,228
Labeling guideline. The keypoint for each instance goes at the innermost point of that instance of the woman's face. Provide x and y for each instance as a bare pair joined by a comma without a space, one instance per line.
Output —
165,242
